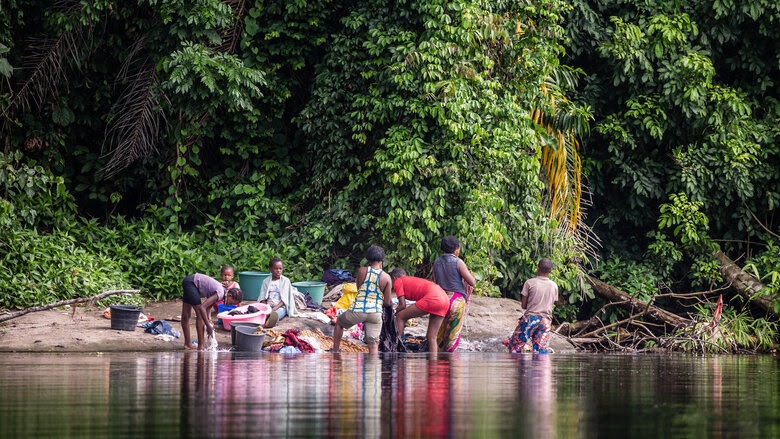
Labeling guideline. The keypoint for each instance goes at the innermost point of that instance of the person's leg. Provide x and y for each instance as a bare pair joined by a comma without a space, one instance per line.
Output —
270,322
449,333
516,343
186,311
338,332
346,320
541,336
200,325
407,313
434,323
372,328
190,298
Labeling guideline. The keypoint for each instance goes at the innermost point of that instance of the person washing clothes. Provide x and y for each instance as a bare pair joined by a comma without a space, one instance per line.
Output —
429,299
196,288
276,291
374,289
454,277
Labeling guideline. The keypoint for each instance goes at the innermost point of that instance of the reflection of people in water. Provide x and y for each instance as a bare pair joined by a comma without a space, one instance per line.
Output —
354,393
196,396
537,393
422,398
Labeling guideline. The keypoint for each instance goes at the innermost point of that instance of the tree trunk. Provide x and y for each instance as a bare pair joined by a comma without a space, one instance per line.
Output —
634,305
13,315
745,284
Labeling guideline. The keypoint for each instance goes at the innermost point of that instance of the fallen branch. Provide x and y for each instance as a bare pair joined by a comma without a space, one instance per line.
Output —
745,284
631,303
103,295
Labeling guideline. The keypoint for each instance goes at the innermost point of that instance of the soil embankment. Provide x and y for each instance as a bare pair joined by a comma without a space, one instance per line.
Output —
84,329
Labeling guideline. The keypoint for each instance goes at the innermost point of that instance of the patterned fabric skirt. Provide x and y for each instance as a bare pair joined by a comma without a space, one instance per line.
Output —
530,328
449,333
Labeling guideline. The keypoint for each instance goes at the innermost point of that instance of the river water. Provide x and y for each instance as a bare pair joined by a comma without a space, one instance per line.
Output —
474,395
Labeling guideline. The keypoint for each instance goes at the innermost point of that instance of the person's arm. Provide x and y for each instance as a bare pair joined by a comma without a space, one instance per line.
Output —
386,289
468,278
398,286
204,314
361,276
524,296
210,301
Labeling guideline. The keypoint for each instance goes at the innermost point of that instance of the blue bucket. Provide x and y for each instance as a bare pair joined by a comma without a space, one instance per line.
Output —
250,282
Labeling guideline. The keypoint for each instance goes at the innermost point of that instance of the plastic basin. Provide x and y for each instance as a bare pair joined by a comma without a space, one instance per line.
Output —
316,289
250,282
234,325
255,317
247,340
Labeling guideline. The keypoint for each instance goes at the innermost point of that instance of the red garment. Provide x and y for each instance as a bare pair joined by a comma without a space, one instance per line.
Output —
291,339
428,296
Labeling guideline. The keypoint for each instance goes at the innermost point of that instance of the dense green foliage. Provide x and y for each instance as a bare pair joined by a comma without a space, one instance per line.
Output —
304,129
683,157
145,140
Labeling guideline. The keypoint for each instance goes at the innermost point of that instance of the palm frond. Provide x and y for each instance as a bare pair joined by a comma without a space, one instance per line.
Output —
46,66
564,124
135,123
232,35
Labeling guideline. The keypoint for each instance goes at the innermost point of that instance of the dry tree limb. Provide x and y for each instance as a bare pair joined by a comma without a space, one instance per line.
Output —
613,294
612,325
103,295
745,284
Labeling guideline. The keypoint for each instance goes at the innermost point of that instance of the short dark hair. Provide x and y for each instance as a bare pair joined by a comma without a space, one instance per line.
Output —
545,265
397,272
236,294
375,253
225,268
449,244
273,261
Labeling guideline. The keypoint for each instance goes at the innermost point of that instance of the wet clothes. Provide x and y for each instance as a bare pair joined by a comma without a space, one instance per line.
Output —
389,341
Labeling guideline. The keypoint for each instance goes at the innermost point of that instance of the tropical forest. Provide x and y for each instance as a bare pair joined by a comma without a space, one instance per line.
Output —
634,143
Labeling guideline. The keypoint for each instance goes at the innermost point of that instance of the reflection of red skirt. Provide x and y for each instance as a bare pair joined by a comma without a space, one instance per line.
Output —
434,302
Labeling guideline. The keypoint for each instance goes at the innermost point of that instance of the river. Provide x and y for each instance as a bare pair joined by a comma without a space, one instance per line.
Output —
461,395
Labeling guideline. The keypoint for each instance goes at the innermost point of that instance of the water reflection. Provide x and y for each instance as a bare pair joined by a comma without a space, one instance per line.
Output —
412,395
536,392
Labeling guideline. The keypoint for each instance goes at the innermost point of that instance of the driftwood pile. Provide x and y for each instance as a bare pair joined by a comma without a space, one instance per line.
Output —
650,327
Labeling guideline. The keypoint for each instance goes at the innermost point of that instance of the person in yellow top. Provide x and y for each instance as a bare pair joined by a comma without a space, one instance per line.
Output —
374,287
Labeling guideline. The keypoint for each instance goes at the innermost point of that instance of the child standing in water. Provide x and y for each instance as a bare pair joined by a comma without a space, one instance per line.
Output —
374,287
276,291
538,297
454,277
197,287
